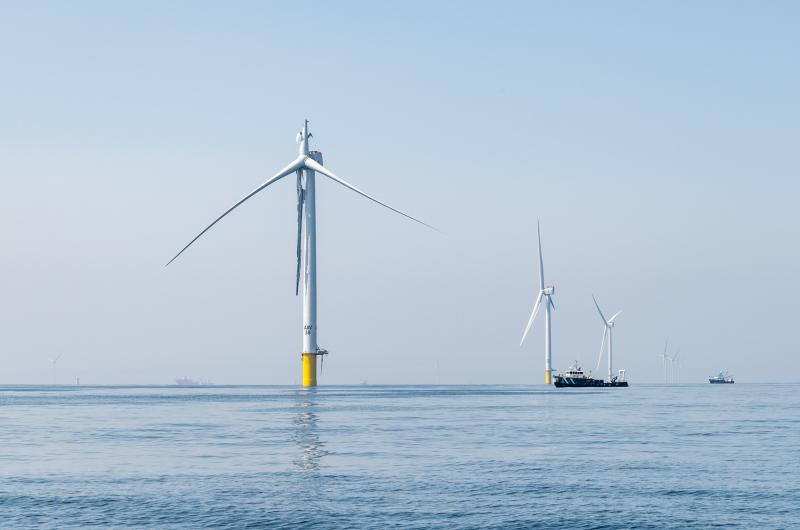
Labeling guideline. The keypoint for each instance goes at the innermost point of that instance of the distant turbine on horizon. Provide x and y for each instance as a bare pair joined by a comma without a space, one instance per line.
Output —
675,366
304,166
53,362
664,357
607,331
671,365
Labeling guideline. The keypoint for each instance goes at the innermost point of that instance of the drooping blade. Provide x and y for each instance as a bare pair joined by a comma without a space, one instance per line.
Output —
300,202
541,263
598,310
602,344
316,166
615,316
533,317
291,168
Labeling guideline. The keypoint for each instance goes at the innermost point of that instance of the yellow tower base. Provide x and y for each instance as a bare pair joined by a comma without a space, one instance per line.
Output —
309,369
547,378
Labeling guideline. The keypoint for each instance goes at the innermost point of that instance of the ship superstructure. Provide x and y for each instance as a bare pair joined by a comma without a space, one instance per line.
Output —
722,378
575,377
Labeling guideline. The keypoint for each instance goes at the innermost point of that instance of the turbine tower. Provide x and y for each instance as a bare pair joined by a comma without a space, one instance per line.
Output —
544,292
608,328
304,166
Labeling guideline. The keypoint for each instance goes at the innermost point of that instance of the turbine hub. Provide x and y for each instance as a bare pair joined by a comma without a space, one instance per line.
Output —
549,290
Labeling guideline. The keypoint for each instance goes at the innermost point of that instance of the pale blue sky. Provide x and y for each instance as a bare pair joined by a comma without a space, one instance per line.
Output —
657,143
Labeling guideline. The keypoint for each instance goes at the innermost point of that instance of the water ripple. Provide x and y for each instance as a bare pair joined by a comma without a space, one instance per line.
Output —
373,457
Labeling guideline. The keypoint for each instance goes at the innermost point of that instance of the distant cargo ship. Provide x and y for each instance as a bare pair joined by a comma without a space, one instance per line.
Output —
575,377
186,381
722,378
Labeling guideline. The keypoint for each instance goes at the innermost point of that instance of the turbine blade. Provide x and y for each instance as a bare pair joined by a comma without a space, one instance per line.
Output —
615,316
316,166
533,316
598,310
541,263
291,168
300,204
602,344
550,300
666,343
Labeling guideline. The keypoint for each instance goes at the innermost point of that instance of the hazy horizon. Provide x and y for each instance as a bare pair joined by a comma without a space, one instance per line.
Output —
654,142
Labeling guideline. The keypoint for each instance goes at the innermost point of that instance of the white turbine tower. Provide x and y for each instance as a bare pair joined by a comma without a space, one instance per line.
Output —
544,292
304,166
608,328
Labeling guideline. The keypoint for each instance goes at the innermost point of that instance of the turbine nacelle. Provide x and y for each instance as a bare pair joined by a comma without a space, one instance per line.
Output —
611,322
549,290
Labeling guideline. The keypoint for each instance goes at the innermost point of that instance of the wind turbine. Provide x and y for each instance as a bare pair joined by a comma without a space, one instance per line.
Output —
304,166
664,358
544,292
676,369
608,328
53,361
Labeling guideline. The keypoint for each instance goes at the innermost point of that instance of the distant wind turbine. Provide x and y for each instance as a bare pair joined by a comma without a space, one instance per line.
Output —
608,328
670,364
53,361
675,366
547,294
304,166
664,357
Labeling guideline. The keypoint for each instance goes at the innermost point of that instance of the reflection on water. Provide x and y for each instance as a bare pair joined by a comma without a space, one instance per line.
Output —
493,457
306,432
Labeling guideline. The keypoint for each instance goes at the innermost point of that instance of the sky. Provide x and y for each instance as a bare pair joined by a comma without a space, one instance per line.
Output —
656,142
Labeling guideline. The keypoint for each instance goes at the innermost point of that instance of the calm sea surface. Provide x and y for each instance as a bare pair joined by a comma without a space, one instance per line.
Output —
692,456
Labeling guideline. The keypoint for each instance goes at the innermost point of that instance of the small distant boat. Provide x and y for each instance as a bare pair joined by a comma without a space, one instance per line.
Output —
722,378
575,377
186,381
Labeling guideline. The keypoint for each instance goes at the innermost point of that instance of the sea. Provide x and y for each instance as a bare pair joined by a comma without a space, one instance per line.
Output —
400,457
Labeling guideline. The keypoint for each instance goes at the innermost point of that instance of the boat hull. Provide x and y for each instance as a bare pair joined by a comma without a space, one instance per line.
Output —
718,382
581,382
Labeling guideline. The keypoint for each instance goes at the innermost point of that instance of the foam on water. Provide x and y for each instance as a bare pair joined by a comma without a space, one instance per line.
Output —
400,457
